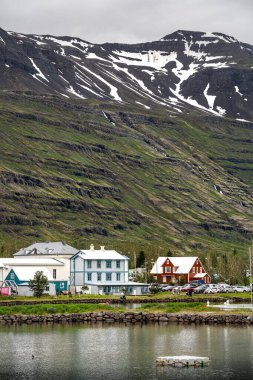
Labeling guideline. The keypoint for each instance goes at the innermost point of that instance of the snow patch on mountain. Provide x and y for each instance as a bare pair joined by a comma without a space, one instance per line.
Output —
221,111
147,107
72,91
156,59
72,43
113,89
95,56
237,91
210,98
40,74
219,36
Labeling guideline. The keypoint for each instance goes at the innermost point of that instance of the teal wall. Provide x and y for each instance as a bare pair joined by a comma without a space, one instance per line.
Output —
58,286
16,279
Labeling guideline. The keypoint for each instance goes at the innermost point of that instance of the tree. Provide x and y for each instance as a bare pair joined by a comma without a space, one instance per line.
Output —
38,284
140,259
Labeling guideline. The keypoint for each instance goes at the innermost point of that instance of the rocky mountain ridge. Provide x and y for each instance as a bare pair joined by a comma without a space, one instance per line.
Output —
145,146
211,72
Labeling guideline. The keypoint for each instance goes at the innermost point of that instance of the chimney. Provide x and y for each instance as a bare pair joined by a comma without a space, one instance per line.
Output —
102,247
92,247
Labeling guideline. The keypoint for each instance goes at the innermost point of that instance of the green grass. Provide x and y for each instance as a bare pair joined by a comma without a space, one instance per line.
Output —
174,307
159,204
169,307
56,309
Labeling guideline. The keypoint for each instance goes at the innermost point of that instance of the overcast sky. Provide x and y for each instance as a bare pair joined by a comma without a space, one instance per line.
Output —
127,21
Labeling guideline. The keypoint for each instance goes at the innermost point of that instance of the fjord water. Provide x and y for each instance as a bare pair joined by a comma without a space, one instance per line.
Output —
118,352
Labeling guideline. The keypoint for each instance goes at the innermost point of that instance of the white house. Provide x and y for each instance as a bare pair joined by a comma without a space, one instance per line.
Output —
3,272
59,251
18,279
103,271
56,267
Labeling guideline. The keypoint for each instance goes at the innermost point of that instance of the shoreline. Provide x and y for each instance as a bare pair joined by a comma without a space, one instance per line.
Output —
129,318
115,301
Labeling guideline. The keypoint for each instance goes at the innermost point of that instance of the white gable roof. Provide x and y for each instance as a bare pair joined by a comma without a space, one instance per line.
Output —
101,254
182,264
27,273
157,267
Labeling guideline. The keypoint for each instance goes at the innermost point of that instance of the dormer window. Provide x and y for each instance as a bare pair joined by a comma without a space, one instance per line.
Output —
168,269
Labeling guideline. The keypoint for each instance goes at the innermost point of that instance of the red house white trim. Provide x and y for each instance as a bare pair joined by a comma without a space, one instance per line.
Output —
177,269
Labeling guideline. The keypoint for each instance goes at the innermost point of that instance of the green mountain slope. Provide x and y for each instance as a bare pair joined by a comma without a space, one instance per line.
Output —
86,171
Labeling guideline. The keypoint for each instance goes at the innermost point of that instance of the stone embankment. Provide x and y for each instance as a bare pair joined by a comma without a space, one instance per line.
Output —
129,318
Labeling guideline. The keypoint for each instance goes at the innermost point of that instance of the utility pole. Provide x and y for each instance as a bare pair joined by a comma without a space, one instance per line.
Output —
250,273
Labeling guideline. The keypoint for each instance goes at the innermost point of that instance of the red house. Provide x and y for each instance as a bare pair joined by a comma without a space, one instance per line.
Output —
179,269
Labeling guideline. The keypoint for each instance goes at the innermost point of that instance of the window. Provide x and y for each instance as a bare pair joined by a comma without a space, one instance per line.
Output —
54,273
117,263
168,269
117,276
47,288
144,289
108,277
89,264
99,276
98,263
164,279
200,270
108,263
62,285
193,270
12,276
89,276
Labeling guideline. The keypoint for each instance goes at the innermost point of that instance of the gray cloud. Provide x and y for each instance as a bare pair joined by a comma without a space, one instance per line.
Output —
127,20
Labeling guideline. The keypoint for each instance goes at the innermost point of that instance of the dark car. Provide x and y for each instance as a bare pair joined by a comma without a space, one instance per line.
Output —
200,289
188,287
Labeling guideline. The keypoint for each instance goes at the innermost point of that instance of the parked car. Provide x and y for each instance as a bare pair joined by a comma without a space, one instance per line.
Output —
211,290
167,288
239,289
200,289
225,288
188,287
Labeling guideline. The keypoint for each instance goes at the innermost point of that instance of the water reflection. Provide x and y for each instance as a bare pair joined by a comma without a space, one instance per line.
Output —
123,352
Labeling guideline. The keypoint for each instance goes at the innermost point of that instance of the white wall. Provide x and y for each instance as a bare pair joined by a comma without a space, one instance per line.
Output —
25,291
81,277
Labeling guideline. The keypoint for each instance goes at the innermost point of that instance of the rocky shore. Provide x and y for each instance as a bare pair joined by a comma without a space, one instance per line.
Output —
129,318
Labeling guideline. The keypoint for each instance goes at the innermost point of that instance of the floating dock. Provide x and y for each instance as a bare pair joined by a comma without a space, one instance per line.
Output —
183,361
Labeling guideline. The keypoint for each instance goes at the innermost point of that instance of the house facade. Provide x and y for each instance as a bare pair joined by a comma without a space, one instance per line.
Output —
18,279
59,251
179,270
54,266
103,272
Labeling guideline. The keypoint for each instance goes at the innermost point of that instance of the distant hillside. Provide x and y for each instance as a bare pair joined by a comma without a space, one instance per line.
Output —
129,146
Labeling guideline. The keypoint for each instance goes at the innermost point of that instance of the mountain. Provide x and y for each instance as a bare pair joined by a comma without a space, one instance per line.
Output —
145,146
210,71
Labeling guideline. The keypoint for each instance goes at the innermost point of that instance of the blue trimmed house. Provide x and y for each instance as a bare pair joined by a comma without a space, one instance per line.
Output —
20,277
103,271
